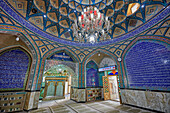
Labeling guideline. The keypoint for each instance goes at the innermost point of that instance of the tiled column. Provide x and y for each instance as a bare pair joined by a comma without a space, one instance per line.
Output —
32,100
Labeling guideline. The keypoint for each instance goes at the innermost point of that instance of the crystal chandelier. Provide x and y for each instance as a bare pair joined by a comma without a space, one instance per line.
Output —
91,26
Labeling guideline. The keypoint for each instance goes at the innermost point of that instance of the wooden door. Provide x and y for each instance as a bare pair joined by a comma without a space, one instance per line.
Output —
106,88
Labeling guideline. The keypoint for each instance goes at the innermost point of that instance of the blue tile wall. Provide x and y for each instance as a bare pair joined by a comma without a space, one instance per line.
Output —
13,68
148,66
92,79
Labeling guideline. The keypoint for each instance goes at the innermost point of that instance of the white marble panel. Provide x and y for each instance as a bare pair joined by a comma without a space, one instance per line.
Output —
159,101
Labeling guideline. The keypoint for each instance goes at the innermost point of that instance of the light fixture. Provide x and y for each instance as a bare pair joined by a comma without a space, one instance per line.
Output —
17,39
143,6
91,26
99,54
60,69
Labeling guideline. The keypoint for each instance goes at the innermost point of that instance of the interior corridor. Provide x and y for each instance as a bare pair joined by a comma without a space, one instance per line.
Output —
69,106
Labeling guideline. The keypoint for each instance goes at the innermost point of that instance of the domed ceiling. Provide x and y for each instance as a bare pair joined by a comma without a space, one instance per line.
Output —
56,17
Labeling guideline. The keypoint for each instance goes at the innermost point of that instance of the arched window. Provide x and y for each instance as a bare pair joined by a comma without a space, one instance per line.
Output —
91,74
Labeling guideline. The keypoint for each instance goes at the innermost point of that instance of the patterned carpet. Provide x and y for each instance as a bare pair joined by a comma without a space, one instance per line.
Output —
69,106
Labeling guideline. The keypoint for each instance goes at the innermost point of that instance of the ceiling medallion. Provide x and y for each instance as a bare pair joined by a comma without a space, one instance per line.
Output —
91,26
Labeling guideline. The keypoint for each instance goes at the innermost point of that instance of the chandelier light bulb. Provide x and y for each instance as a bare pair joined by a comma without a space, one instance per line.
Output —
84,10
143,6
88,8
97,11
102,16
98,15
79,18
103,32
91,25
92,39
106,18
92,16
84,15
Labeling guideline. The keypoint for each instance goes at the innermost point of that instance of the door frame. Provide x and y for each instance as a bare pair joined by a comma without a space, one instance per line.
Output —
117,84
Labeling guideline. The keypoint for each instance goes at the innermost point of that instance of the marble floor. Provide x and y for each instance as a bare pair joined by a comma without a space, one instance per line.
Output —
69,106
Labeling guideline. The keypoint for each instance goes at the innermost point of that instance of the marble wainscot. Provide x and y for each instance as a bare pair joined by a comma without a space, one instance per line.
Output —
159,101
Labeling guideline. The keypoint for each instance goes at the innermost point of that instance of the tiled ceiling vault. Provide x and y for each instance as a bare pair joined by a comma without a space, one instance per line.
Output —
57,16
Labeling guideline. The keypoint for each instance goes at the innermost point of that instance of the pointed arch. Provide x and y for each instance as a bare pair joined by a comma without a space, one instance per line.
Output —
25,37
73,55
92,64
141,38
83,69
93,61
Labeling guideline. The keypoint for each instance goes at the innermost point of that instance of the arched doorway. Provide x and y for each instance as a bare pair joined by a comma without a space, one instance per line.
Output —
57,83
60,71
107,77
108,68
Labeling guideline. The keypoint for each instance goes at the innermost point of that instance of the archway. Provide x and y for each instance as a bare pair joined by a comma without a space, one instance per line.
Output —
107,68
57,82
10,40
54,60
